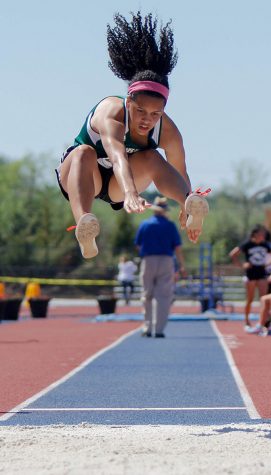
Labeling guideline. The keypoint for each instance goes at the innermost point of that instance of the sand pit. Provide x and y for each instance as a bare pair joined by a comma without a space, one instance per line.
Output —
136,450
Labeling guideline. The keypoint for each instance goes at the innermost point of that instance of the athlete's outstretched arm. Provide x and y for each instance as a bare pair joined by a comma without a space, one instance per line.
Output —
196,206
111,129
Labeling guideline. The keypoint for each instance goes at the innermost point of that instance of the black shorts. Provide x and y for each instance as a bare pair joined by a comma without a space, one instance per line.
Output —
106,174
256,273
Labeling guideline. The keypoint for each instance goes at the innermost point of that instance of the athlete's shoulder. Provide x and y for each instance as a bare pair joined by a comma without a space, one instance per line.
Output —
167,121
109,108
110,105
112,100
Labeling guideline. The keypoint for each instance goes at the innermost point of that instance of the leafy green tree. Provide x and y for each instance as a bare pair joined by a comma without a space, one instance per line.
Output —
34,217
248,177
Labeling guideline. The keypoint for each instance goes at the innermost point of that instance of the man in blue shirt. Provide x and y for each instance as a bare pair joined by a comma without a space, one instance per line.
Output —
158,240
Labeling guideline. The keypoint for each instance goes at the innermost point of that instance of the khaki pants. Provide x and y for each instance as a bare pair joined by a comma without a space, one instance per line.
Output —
157,280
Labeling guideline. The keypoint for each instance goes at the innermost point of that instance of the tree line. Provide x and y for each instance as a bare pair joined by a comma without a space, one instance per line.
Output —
34,217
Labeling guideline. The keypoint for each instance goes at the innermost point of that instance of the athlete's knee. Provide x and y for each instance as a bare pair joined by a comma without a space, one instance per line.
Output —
153,156
85,155
154,163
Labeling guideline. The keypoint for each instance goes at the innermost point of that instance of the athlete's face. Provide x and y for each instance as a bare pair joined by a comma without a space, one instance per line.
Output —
144,112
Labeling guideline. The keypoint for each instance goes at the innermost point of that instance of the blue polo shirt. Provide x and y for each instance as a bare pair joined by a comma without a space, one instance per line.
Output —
157,236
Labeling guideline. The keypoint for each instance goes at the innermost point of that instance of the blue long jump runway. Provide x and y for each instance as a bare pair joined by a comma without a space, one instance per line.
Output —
182,379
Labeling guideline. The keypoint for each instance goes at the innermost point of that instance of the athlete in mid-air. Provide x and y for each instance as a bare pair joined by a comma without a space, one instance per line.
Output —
115,157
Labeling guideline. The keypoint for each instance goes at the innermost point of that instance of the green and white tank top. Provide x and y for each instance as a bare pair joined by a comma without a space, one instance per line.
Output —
89,137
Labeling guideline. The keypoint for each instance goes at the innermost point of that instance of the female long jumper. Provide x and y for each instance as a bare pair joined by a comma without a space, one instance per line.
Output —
114,157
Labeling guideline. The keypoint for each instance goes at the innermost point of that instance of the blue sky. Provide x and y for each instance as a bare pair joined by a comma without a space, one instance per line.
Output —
54,69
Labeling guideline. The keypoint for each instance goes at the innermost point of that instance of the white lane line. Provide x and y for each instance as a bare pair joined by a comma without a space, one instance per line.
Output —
251,409
67,376
112,409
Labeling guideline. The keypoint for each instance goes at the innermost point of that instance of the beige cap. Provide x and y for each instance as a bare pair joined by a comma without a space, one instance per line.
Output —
160,204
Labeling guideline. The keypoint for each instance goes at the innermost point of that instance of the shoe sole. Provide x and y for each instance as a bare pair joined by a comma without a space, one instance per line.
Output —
196,207
87,230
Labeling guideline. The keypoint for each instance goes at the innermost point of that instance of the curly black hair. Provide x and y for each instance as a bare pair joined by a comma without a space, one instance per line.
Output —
136,54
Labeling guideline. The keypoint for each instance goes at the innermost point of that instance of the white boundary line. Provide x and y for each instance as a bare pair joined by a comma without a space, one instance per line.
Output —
251,409
67,376
139,409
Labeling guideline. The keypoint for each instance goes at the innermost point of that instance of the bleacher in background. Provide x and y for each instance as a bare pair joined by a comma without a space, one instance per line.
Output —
228,288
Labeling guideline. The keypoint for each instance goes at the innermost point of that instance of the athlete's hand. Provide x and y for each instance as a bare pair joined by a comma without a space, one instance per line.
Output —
133,203
192,234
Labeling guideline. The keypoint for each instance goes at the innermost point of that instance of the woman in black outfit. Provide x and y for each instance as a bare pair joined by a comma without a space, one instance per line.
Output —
255,251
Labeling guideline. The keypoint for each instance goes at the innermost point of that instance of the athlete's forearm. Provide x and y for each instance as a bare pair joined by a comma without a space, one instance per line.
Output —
181,168
116,152
178,162
117,155
123,174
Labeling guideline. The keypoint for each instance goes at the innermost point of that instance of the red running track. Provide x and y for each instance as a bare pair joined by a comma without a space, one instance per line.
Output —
252,356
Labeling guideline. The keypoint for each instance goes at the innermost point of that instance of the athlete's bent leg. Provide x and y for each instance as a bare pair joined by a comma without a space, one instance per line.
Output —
172,185
150,166
81,179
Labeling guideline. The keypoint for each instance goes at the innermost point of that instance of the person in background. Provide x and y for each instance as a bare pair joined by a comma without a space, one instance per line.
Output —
157,241
262,327
255,250
268,261
127,269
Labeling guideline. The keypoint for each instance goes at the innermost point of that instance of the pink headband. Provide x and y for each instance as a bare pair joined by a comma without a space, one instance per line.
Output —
149,86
